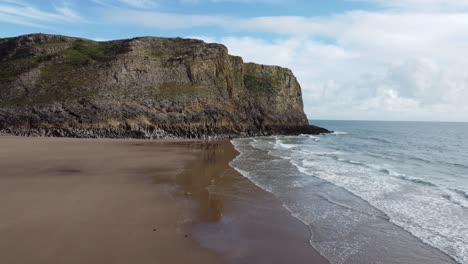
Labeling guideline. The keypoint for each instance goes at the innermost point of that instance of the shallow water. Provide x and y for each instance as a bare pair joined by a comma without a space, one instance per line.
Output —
372,191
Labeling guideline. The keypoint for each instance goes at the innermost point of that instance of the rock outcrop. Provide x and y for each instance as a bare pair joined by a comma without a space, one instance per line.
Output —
142,88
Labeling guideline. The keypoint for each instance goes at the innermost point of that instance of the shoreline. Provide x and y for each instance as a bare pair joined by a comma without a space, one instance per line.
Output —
252,225
151,132
331,207
120,201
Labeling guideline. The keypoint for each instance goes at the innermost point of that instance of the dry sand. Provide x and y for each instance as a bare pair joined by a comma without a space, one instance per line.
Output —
131,201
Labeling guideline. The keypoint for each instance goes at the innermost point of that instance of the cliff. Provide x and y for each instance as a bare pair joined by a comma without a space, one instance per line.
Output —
142,88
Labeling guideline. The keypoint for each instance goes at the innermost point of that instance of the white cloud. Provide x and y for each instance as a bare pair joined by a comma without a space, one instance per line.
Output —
347,83
423,5
20,12
404,61
360,64
407,30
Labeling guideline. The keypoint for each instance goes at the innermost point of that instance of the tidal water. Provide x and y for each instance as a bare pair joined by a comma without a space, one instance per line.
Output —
371,192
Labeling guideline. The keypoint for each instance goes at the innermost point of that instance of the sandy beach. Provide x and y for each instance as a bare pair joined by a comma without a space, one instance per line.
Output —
131,201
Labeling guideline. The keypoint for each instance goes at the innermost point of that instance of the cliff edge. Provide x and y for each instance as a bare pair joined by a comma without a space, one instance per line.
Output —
145,87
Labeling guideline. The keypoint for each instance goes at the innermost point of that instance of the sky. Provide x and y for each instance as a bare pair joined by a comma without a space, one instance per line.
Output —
355,59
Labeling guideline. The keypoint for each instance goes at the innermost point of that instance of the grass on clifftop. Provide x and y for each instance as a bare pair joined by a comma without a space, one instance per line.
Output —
63,75
84,52
71,74
80,53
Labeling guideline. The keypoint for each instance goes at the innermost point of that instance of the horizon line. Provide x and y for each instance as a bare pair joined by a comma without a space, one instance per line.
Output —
373,120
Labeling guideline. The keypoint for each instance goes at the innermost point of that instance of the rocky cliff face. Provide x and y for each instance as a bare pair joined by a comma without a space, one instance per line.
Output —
142,88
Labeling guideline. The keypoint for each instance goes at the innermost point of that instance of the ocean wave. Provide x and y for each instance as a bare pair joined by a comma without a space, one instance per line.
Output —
422,210
279,145
381,140
400,213
333,154
391,172
306,164
379,168
427,161
339,133
309,136
314,137
415,180
459,165
460,192
353,162
403,176
372,167
460,198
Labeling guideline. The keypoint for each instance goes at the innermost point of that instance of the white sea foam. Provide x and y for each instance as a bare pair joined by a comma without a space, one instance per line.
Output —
316,138
340,133
423,211
458,197
435,214
286,146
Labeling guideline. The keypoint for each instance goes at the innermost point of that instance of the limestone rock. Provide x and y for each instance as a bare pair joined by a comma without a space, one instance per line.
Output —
142,88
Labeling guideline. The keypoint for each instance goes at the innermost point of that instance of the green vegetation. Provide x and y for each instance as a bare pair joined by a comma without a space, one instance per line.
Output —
67,80
12,68
59,81
81,52
261,85
84,52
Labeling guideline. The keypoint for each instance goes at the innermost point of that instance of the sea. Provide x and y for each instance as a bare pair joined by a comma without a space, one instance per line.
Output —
371,192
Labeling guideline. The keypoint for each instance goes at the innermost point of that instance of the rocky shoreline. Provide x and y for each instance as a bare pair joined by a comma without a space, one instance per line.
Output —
157,133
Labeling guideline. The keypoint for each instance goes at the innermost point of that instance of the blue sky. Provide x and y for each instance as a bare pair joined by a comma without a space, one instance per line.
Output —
91,24
355,59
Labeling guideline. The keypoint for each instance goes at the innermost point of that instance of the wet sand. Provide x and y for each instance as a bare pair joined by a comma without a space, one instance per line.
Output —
130,201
